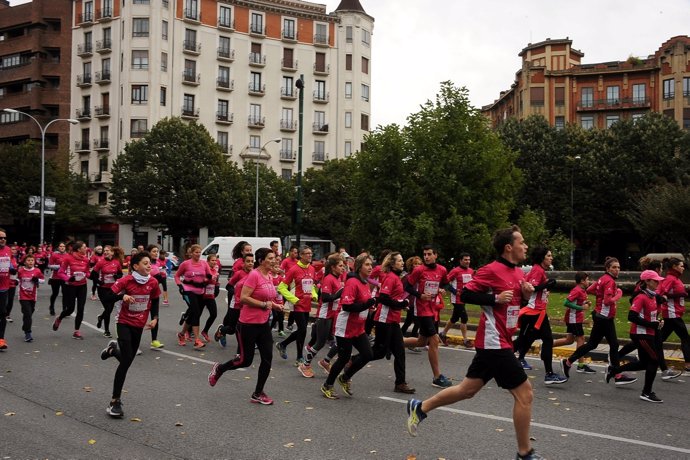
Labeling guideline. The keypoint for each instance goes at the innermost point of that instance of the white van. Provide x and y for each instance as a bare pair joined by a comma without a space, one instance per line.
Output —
223,245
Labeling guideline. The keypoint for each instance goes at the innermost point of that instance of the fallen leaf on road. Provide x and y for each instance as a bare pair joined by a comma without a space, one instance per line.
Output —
59,413
669,435
307,440
247,378
178,423
87,389
532,438
587,394
135,419
499,429
308,408
289,445
10,414
411,457
588,381
286,401
564,435
567,408
92,441
178,405
372,451
553,399
557,404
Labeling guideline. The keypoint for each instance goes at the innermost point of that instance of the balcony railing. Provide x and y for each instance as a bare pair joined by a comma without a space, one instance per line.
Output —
190,112
289,64
101,144
225,84
84,80
319,128
103,77
288,125
104,46
319,157
85,18
226,54
257,90
256,122
192,14
288,155
321,97
101,177
225,117
82,145
322,69
257,59
321,39
225,22
191,46
84,49
101,111
105,14
618,103
191,78
84,114
288,93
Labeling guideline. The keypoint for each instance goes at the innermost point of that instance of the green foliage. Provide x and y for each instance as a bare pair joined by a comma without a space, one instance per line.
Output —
661,215
536,233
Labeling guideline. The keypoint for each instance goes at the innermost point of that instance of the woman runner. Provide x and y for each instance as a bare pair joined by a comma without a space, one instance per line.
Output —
196,275
75,268
56,280
159,275
107,271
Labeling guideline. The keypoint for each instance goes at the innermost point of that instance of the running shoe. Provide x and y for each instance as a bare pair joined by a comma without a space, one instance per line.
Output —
404,388
414,349
139,352
651,397
107,334
552,378
306,370
198,344
623,379
115,409
531,455
9,320
444,338
281,350
325,365
28,338
77,335
441,382
99,321
52,311
414,415
109,350
94,297
219,333
670,374
584,368
56,323
467,343
205,336
282,334
261,398
525,365
213,376
299,362
289,327
180,339
189,337
3,344
223,341
165,303
329,392
345,385
183,318
565,368
156,344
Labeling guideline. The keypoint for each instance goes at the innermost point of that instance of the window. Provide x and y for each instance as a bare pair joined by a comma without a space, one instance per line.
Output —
254,142
6,117
255,56
348,149
190,40
319,151
320,92
84,167
223,108
188,103
164,95
103,163
140,59
255,82
319,120
348,90
107,37
365,65
88,11
686,86
559,96
669,89
225,17
289,29
164,61
366,37
286,149
102,198
164,30
191,9
286,174
639,93
587,122
288,87
105,137
140,94
138,128
140,2
255,114
587,97
611,119
321,35
348,62
320,62
559,123
288,61
536,97
140,27
105,68
637,116
348,34
348,119
613,95
86,105
365,122
189,70
365,92
224,46
257,24
88,42
223,76
223,141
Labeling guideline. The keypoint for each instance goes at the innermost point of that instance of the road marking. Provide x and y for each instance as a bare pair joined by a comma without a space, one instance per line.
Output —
554,428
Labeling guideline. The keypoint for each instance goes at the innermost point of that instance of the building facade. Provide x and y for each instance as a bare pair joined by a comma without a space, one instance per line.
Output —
231,65
35,66
554,83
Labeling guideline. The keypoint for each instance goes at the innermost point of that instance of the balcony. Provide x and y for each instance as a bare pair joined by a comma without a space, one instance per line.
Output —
191,78
226,23
102,111
288,125
257,30
320,97
190,112
84,49
288,155
289,35
225,118
100,178
257,59
613,103
101,145
288,94
191,47
83,114
319,128
104,15
103,77
257,90
319,157
322,69
104,46
256,122
226,54
85,19
320,40
289,65
82,146
192,15
225,84
84,80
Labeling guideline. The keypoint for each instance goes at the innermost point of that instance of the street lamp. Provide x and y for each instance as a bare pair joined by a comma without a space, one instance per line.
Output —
43,159
572,209
256,212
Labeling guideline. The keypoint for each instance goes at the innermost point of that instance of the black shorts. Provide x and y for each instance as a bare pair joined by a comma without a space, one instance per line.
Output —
427,326
459,313
576,329
501,365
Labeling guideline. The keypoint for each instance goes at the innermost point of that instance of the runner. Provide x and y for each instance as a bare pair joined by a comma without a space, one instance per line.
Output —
498,288
211,291
29,276
75,268
139,293
196,275
162,265
159,275
253,330
277,319
241,249
106,271
232,315
410,318
672,311
93,260
458,277
56,279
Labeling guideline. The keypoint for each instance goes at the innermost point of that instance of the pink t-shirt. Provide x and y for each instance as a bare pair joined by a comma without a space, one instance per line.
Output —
263,290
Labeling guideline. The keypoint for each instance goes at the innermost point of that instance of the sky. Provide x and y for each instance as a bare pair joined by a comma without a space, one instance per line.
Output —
417,44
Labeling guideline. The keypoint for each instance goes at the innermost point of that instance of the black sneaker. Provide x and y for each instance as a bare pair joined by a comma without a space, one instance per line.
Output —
99,321
531,455
565,367
109,350
115,409
183,318
651,397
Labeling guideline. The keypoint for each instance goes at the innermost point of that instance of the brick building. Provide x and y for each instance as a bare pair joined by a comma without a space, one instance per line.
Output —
553,82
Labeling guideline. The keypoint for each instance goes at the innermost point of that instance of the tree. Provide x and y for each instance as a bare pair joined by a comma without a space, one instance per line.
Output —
536,233
661,215
176,177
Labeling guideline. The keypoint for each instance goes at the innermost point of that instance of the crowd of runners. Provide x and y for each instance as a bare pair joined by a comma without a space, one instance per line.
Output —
357,310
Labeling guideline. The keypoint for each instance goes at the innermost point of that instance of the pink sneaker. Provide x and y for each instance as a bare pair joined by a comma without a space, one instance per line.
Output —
207,339
77,335
213,375
261,398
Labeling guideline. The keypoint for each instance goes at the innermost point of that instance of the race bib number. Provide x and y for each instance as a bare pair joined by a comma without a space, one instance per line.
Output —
27,284
466,278
210,289
652,316
78,276
512,316
336,303
307,284
140,303
4,264
431,287
109,279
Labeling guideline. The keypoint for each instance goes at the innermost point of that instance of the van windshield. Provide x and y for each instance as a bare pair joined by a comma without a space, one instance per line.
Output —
213,249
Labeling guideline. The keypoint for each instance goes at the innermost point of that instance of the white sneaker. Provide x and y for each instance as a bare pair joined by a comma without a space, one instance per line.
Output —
669,374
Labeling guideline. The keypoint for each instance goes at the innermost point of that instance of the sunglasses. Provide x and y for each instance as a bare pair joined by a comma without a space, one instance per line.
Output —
3,237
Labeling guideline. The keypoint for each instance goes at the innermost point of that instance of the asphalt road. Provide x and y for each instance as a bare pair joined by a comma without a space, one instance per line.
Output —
54,391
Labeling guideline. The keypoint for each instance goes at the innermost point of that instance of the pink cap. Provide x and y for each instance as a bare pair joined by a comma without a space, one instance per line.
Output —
650,275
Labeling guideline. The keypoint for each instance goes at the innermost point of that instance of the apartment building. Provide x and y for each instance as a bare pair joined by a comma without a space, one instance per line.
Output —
231,65
553,82
35,55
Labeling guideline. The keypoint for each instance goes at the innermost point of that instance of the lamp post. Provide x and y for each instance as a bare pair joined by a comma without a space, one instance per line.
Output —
300,134
43,130
572,210
256,211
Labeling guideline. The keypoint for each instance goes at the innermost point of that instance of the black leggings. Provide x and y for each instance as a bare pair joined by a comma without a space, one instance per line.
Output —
410,320
194,310
210,304
128,340
249,337
105,293
602,327
345,345
528,334
55,285
11,293
320,334
648,360
3,313
678,326
28,307
72,295
389,338
300,334
279,319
